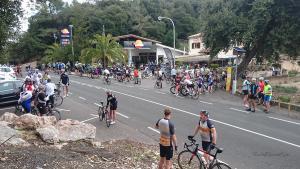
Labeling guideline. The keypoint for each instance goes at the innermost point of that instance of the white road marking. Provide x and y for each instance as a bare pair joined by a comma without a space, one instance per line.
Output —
82,98
130,86
63,110
70,93
159,92
89,119
144,89
226,124
240,110
89,85
95,115
180,96
97,104
285,120
7,108
122,115
156,131
205,102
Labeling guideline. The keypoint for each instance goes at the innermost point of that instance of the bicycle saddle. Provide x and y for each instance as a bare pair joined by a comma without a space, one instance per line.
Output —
220,150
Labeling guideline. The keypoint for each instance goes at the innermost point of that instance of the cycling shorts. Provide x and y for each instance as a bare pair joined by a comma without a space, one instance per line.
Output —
267,98
113,107
26,105
127,75
210,84
245,92
166,151
206,146
251,96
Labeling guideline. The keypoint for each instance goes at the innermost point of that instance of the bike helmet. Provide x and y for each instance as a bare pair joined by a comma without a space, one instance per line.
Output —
108,91
205,112
267,81
261,78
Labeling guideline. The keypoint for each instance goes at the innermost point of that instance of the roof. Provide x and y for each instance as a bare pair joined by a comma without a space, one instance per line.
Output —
239,49
136,37
195,35
171,48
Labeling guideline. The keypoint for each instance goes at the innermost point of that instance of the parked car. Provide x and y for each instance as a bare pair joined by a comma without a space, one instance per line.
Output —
8,73
9,92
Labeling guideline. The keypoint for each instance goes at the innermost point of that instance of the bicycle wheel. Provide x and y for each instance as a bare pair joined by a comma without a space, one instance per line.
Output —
107,120
34,111
183,91
101,113
168,81
220,165
173,89
18,108
55,113
58,100
195,94
186,160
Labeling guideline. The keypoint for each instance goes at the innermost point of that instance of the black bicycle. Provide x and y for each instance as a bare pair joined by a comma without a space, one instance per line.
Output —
191,158
103,114
35,111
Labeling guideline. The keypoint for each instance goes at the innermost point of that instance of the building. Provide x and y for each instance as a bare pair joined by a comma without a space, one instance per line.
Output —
142,50
198,52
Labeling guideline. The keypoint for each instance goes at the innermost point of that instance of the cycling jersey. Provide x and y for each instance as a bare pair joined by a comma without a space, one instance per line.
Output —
167,130
253,89
106,72
246,85
188,82
64,78
261,86
49,88
268,90
112,101
205,130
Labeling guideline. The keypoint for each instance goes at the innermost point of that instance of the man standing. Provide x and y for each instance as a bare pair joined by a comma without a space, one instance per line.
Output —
253,95
49,91
64,79
167,140
208,133
268,96
246,88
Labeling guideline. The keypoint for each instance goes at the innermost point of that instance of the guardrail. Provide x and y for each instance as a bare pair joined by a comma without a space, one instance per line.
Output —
289,106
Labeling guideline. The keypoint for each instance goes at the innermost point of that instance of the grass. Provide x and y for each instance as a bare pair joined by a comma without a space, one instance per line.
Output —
285,99
282,89
292,73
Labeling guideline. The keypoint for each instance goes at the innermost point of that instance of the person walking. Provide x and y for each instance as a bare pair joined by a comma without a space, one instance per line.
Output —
64,79
245,89
253,95
268,96
167,140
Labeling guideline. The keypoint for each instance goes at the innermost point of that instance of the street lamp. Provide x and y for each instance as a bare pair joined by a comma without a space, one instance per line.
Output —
71,28
55,37
160,18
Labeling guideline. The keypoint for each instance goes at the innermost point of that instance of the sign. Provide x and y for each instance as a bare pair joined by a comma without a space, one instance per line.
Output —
138,44
228,80
65,37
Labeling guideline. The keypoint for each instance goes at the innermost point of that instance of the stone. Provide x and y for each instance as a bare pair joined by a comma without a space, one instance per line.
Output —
47,120
97,144
48,134
9,117
73,130
27,121
7,132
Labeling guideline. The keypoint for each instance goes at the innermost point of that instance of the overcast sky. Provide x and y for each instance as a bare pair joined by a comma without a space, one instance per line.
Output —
28,12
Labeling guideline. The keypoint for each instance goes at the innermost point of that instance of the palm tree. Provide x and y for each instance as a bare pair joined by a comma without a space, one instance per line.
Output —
105,49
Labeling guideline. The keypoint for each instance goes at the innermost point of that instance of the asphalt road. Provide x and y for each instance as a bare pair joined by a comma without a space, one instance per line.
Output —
250,141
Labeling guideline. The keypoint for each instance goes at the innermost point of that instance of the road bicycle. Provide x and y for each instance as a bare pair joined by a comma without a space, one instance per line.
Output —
35,111
193,91
158,84
103,114
106,80
191,158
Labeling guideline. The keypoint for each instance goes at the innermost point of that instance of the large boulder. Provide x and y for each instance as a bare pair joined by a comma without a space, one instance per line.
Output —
49,134
9,117
10,136
29,121
73,130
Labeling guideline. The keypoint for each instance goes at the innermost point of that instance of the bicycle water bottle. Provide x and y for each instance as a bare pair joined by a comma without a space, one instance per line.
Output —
200,153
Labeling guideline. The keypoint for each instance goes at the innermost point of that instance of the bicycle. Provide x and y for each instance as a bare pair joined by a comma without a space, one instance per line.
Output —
34,110
103,114
191,158
106,80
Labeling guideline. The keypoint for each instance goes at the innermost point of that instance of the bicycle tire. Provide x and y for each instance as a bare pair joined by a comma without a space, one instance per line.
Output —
18,108
220,165
173,89
195,94
168,81
107,120
55,113
186,160
34,111
184,92
100,113
58,100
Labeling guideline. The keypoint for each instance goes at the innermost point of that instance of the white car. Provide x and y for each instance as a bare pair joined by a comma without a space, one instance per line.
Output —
7,73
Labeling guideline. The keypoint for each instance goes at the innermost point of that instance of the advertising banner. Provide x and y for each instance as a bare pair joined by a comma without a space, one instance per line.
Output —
228,81
65,37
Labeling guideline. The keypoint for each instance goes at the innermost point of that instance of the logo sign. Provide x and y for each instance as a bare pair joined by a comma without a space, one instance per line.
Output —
138,44
65,37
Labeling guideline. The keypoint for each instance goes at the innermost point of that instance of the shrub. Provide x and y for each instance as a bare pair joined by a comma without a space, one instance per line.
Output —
292,73
286,99
282,89
214,66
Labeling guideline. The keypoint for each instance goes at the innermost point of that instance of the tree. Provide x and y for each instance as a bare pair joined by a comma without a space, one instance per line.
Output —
265,28
10,10
105,49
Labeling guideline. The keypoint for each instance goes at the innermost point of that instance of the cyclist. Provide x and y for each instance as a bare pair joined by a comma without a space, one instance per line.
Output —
246,88
167,140
113,104
188,83
208,133
210,81
253,95
26,96
106,74
178,79
136,75
173,73
261,86
49,91
200,83
42,100
268,96
64,79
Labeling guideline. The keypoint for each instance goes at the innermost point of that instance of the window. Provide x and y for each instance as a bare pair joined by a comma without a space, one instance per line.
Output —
196,45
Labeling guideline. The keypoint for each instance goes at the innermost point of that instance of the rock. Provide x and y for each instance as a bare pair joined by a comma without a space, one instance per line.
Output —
73,130
4,123
27,121
7,132
9,117
97,144
47,120
49,134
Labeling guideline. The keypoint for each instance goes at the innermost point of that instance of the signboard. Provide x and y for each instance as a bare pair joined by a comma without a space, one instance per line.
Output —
65,37
138,44
228,81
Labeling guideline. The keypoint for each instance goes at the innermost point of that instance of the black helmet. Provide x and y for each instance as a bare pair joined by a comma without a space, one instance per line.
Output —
205,112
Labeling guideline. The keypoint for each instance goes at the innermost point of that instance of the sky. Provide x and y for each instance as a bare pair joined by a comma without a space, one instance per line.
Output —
28,12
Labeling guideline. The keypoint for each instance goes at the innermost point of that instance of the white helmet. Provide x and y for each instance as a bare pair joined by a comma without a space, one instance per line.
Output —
261,78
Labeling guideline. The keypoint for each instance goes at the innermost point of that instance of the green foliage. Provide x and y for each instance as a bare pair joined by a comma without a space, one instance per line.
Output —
292,73
285,99
287,90
106,50
214,66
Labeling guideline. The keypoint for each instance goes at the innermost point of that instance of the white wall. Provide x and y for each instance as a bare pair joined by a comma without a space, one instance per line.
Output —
196,39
